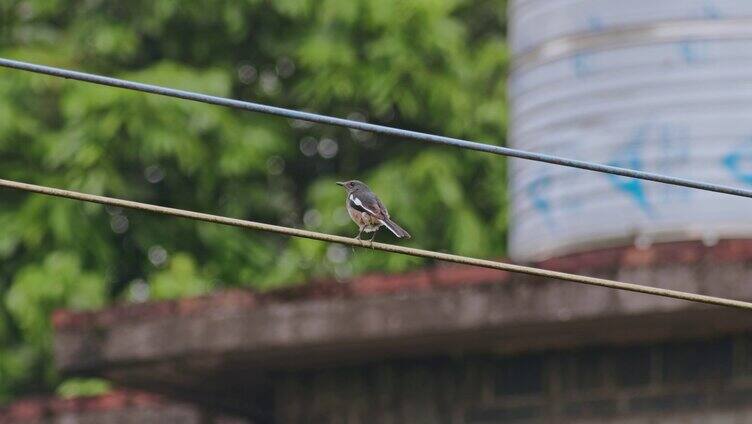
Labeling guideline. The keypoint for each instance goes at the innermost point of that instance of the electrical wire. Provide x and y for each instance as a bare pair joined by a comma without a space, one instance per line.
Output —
593,281
378,129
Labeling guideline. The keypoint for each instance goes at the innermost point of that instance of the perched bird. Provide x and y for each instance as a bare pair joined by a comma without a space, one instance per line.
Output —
367,210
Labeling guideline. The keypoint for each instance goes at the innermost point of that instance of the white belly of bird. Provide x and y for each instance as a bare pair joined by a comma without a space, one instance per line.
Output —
364,220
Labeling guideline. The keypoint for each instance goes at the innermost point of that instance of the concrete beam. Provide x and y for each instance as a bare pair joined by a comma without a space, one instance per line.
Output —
234,337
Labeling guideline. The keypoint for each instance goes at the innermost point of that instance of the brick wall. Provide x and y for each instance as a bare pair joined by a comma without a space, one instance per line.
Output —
707,380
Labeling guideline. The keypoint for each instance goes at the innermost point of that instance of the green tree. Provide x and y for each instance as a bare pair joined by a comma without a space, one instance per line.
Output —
429,65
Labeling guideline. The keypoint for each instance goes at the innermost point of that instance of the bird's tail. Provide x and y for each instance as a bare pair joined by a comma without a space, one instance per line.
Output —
395,229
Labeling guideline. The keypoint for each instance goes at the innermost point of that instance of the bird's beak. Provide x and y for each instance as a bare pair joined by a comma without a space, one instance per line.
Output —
340,183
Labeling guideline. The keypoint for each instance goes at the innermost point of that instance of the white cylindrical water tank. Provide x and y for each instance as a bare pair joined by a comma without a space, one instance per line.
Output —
661,86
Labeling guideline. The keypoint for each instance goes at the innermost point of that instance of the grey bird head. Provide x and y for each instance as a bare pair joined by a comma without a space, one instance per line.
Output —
353,185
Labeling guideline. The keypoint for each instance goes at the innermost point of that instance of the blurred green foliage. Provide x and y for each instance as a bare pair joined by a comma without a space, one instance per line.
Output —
428,65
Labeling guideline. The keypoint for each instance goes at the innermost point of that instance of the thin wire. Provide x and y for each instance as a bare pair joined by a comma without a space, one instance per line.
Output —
379,129
49,191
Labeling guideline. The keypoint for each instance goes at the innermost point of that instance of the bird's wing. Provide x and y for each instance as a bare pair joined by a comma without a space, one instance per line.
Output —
382,208
368,202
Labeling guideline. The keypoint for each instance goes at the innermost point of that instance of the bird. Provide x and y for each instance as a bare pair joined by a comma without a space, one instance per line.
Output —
367,211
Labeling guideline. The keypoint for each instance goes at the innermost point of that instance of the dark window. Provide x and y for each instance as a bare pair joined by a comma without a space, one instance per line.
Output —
632,366
583,370
522,375
744,356
686,362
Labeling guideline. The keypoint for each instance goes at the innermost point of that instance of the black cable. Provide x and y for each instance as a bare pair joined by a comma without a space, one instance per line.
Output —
379,129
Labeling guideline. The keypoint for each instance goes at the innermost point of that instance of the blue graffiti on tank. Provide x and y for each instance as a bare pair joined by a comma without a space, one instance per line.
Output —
631,158
580,65
711,10
739,163
674,148
688,51
537,191
595,24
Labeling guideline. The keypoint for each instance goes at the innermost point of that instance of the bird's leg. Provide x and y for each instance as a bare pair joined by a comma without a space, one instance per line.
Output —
357,238
372,238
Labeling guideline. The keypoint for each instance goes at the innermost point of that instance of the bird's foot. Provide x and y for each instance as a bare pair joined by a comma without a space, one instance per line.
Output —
357,237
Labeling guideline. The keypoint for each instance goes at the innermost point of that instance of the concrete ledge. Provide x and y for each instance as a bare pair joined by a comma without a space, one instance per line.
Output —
232,338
